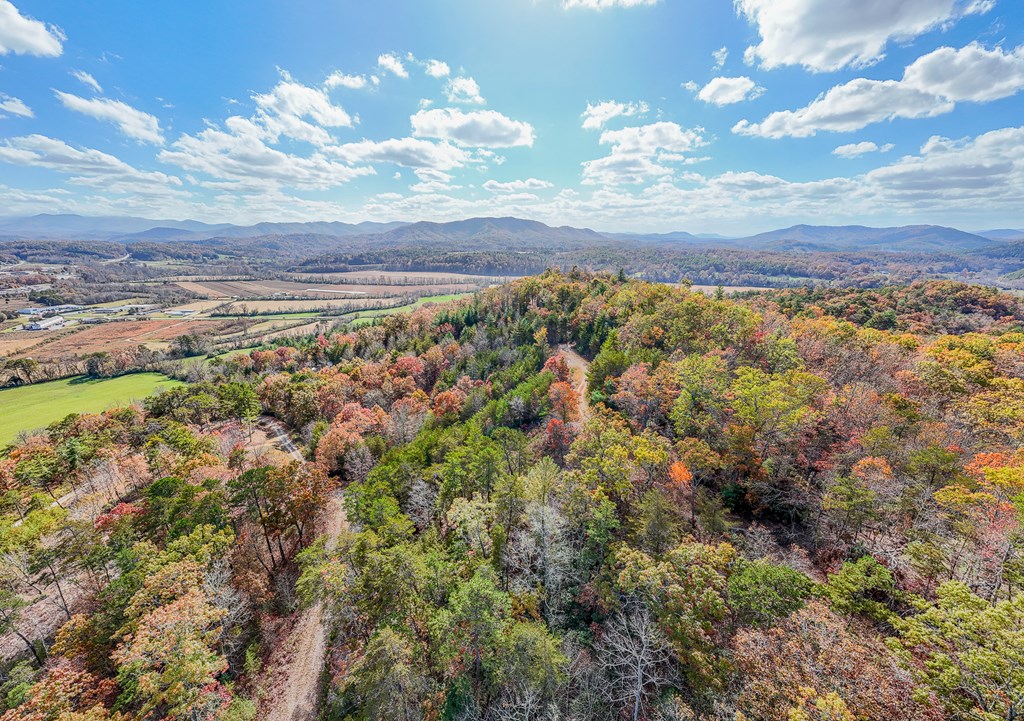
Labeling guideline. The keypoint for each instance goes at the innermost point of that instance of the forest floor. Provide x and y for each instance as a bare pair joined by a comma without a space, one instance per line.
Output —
579,366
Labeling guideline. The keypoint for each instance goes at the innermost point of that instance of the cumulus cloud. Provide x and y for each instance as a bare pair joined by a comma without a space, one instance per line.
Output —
464,90
517,186
392,63
85,164
972,73
14,106
726,91
720,56
438,69
300,112
988,169
23,35
239,153
87,79
854,150
596,116
132,122
641,153
407,152
826,35
931,85
479,128
338,79
604,4
433,180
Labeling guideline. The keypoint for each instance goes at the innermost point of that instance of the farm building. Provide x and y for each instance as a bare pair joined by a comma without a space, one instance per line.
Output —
47,323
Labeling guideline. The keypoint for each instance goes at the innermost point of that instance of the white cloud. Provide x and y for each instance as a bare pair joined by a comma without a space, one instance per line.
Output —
646,139
853,150
849,107
972,73
433,180
240,154
641,153
931,85
338,79
726,91
973,173
25,36
604,4
438,69
517,186
86,164
408,152
480,128
285,109
392,64
87,79
14,106
464,90
825,35
720,56
595,116
132,122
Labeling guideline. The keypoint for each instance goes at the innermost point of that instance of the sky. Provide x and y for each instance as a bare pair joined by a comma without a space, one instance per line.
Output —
709,116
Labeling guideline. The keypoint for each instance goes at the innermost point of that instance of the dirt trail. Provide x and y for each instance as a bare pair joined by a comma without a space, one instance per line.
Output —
296,667
579,366
279,432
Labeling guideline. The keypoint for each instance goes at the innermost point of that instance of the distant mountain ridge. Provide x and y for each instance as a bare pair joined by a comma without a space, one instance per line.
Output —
506,234
907,238
1002,234
131,229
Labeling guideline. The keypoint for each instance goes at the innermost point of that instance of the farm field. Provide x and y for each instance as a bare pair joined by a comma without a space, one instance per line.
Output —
297,306
364,317
36,406
267,288
109,336
396,277
727,289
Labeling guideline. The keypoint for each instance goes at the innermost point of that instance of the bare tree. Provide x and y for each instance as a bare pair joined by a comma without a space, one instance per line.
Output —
636,657
420,506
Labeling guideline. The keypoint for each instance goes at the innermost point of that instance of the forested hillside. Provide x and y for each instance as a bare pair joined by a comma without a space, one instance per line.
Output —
793,506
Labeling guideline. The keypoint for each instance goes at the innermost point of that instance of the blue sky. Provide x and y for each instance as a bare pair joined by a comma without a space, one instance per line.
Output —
650,115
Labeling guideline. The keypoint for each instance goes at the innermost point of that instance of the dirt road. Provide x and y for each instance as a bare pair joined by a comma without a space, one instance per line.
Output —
579,366
292,687
282,440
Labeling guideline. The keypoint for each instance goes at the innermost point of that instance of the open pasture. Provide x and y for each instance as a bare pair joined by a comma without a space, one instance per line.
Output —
36,406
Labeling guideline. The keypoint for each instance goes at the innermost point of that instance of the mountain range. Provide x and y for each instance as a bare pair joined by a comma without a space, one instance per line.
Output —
502,234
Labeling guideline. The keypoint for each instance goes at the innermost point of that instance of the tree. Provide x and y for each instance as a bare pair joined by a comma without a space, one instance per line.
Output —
864,586
636,658
564,401
760,593
169,665
470,628
11,605
239,401
968,652
811,656
657,522
685,590
386,680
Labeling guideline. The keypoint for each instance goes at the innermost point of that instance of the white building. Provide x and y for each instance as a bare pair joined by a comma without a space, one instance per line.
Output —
46,323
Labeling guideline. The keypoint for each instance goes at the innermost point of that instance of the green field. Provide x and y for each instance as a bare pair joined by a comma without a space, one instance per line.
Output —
364,317
36,406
